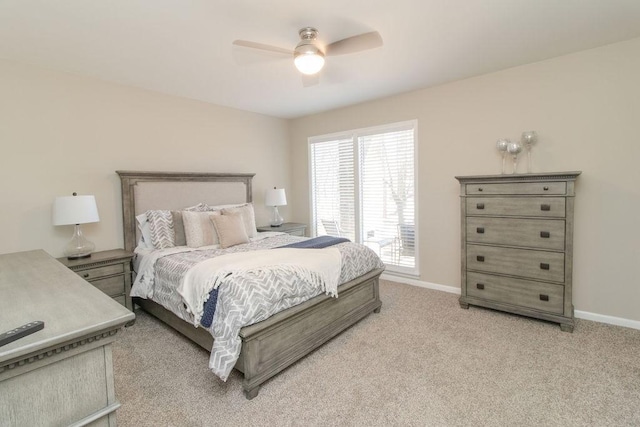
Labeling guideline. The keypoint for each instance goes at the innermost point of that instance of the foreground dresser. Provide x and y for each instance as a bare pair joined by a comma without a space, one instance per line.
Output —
62,374
517,244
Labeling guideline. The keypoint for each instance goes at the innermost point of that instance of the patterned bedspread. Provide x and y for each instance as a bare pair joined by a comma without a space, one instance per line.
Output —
244,299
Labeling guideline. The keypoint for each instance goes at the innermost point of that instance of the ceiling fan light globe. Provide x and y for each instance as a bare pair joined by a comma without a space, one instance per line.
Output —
309,62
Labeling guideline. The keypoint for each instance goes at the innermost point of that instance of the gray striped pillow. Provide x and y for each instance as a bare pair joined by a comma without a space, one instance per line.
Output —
161,227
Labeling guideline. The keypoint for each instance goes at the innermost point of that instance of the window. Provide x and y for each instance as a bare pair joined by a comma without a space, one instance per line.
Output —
363,188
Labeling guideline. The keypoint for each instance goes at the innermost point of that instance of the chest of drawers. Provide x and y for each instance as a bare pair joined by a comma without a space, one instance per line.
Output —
517,244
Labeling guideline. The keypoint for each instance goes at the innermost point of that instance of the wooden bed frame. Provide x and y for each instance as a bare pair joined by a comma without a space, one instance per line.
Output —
272,345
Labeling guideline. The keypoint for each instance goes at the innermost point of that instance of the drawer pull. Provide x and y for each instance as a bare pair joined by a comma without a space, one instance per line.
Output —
480,285
545,234
480,230
85,275
545,207
544,297
544,266
480,258
480,206
545,188
479,188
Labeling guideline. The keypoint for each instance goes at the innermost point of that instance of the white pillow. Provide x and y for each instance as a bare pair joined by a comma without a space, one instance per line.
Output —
248,217
221,207
145,232
198,228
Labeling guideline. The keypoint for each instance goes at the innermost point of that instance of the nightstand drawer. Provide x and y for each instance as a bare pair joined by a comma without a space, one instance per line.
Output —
532,233
94,273
553,207
539,296
558,188
111,286
530,264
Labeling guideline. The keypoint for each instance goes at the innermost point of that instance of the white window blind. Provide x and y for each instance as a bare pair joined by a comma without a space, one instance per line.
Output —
363,188
333,181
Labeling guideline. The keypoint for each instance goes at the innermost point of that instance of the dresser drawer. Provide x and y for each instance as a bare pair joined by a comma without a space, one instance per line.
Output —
111,286
548,207
531,264
533,233
559,188
538,296
108,270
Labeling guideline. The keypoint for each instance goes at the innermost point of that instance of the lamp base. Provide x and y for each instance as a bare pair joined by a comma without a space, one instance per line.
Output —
276,219
79,257
78,247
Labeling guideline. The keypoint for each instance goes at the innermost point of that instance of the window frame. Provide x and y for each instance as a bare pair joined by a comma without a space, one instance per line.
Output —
353,135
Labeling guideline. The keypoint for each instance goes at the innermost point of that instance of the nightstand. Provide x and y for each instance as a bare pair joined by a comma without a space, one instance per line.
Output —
109,271
293,228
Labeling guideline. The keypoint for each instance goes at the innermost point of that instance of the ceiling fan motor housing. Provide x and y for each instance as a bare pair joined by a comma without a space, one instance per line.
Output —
308,57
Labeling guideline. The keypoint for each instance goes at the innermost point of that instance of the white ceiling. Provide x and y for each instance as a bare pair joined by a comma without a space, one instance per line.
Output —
183,47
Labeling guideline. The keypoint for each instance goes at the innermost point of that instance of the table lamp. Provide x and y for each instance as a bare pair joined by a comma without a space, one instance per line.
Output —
275,198
76,210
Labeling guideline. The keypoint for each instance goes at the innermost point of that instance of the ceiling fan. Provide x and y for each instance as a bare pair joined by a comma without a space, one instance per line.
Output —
308,55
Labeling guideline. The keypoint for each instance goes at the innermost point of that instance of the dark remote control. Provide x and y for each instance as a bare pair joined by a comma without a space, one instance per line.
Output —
22,331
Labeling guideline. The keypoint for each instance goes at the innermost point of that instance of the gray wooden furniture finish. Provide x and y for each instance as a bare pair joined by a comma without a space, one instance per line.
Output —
293,228
109,271
517,244
63,374
272,345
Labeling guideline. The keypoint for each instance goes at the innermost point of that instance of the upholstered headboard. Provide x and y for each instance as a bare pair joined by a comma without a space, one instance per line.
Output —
142,191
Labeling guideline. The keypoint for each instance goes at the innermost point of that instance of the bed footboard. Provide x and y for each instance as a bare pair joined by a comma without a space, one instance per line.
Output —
272,345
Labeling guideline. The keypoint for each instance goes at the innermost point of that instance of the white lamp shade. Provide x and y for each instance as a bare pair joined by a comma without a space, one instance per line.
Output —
75,210
275,197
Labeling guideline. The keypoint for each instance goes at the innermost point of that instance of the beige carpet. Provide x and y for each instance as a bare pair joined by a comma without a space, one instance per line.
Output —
422,361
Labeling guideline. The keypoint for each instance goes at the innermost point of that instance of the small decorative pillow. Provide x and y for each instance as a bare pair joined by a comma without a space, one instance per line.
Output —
198,228
161,226
231,230
248,217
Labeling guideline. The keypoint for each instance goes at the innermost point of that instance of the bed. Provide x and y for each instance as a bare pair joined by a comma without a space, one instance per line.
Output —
270,345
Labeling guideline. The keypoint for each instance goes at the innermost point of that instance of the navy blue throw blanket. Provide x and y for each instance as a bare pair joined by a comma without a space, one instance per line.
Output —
315,243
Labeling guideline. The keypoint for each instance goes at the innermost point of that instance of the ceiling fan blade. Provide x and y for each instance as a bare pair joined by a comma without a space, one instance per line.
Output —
254,45
355,44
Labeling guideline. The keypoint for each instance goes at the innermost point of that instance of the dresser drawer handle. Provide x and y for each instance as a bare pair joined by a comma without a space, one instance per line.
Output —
544,207
480,206
479,188
480,285
544,297
480,230
545,188
85,275
544,266
545,234
480,258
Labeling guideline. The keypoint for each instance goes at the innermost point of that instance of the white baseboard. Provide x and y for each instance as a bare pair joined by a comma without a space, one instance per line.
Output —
420,283
611,320
601,318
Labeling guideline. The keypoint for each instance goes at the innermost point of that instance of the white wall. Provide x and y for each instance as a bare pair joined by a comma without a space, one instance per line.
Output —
62,133
586,110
